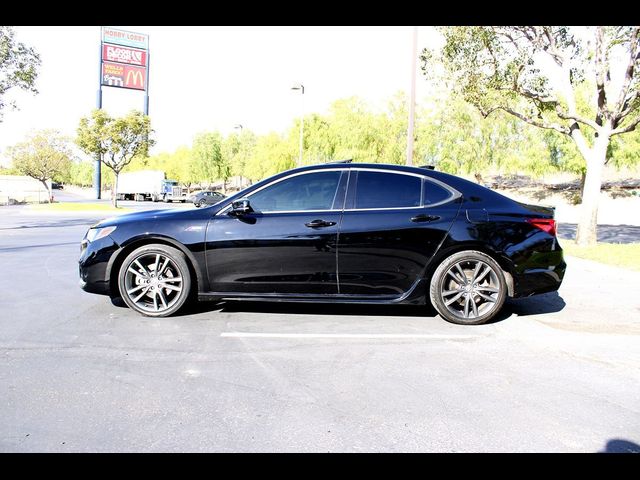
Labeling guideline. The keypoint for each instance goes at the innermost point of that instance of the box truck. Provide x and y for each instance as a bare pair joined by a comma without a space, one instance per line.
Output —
149,185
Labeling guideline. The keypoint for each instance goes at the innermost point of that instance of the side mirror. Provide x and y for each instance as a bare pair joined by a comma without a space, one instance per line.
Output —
240,207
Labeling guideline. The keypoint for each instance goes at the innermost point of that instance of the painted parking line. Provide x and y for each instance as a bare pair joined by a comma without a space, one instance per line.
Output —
348,335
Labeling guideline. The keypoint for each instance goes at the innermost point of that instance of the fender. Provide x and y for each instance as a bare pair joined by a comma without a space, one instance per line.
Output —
131,244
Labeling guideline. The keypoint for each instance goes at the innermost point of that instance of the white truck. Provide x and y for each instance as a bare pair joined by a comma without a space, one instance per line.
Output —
149,185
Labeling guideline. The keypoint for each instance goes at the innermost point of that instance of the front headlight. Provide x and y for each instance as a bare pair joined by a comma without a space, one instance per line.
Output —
98,233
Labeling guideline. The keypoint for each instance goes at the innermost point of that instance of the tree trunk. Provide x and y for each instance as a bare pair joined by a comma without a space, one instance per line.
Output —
583,176
114,197
46,187
595,158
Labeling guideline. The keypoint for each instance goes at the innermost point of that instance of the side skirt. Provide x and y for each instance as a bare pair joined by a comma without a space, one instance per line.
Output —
415,296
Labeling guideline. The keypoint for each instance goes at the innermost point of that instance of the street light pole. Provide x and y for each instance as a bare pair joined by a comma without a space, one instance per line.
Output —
240,127
301,88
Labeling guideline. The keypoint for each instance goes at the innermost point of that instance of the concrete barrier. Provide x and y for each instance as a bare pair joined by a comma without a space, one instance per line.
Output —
16,189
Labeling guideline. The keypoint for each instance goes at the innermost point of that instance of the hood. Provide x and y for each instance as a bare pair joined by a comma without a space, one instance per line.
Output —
145,215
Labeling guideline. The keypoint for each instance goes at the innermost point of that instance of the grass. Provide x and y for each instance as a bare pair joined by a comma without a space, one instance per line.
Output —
626,255
75,207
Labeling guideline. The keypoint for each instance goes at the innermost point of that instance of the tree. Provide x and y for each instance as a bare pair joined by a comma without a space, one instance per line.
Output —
534,74
117,141
236,149
272,154
210,164
81,173
18,66
43,156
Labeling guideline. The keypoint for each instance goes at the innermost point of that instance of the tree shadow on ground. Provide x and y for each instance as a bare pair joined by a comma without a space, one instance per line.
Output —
617,445
605,233
56,223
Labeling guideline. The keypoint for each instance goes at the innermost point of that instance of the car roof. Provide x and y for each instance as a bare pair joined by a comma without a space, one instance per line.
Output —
465,186
427,171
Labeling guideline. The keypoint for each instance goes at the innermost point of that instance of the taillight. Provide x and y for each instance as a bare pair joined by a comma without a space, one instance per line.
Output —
545,224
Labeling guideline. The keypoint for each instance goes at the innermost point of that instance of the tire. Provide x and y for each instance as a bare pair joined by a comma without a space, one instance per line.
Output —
197,204
150,294
463,300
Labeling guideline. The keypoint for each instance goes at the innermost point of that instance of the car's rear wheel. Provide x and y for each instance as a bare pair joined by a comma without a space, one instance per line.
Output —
468,288
154,280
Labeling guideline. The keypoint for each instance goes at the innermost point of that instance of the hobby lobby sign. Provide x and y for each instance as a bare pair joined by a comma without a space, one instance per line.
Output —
122,37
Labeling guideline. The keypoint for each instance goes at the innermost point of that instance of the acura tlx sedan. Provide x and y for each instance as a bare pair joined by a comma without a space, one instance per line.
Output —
337,232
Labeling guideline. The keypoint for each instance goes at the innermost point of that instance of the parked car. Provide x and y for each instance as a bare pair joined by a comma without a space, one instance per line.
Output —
57,186
342,232
206,197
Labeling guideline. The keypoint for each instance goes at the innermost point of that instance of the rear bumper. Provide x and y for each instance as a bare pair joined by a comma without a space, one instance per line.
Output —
538,280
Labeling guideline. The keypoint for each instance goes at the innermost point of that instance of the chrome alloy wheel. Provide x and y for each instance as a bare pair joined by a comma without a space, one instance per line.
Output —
470,289
153,282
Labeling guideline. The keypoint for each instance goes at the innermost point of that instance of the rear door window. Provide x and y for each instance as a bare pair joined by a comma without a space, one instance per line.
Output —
435,194
387,190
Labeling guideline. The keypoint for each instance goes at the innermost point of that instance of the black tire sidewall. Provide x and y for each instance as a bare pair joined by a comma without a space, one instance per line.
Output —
439,277
177,257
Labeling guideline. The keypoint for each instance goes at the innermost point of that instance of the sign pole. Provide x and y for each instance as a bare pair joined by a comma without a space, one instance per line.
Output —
146,83
97,177
124,63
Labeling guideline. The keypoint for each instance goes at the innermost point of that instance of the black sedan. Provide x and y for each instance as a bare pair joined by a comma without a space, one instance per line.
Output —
206,197
341,232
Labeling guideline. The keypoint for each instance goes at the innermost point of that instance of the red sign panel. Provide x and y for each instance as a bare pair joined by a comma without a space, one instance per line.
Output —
124,76
117,53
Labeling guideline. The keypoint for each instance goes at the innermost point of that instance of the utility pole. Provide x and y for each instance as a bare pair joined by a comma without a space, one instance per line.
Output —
412,100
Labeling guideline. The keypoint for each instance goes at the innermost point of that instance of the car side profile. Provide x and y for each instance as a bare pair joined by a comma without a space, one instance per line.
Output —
206,197
337,232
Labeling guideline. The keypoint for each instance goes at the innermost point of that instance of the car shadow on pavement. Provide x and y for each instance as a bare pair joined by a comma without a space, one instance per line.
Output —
299,308
536,305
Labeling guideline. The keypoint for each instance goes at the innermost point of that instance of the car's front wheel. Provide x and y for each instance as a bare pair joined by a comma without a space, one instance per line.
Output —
468,288
154,280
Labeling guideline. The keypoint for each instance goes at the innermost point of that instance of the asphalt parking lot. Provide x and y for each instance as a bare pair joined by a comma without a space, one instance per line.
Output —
555,373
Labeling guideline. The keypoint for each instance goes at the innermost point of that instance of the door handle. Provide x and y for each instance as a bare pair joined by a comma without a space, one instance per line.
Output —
425,218
319,224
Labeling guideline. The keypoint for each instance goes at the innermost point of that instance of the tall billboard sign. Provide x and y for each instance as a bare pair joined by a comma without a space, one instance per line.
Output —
124,63
124,60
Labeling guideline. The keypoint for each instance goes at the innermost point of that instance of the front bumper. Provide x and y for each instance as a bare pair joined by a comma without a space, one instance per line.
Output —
93,265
